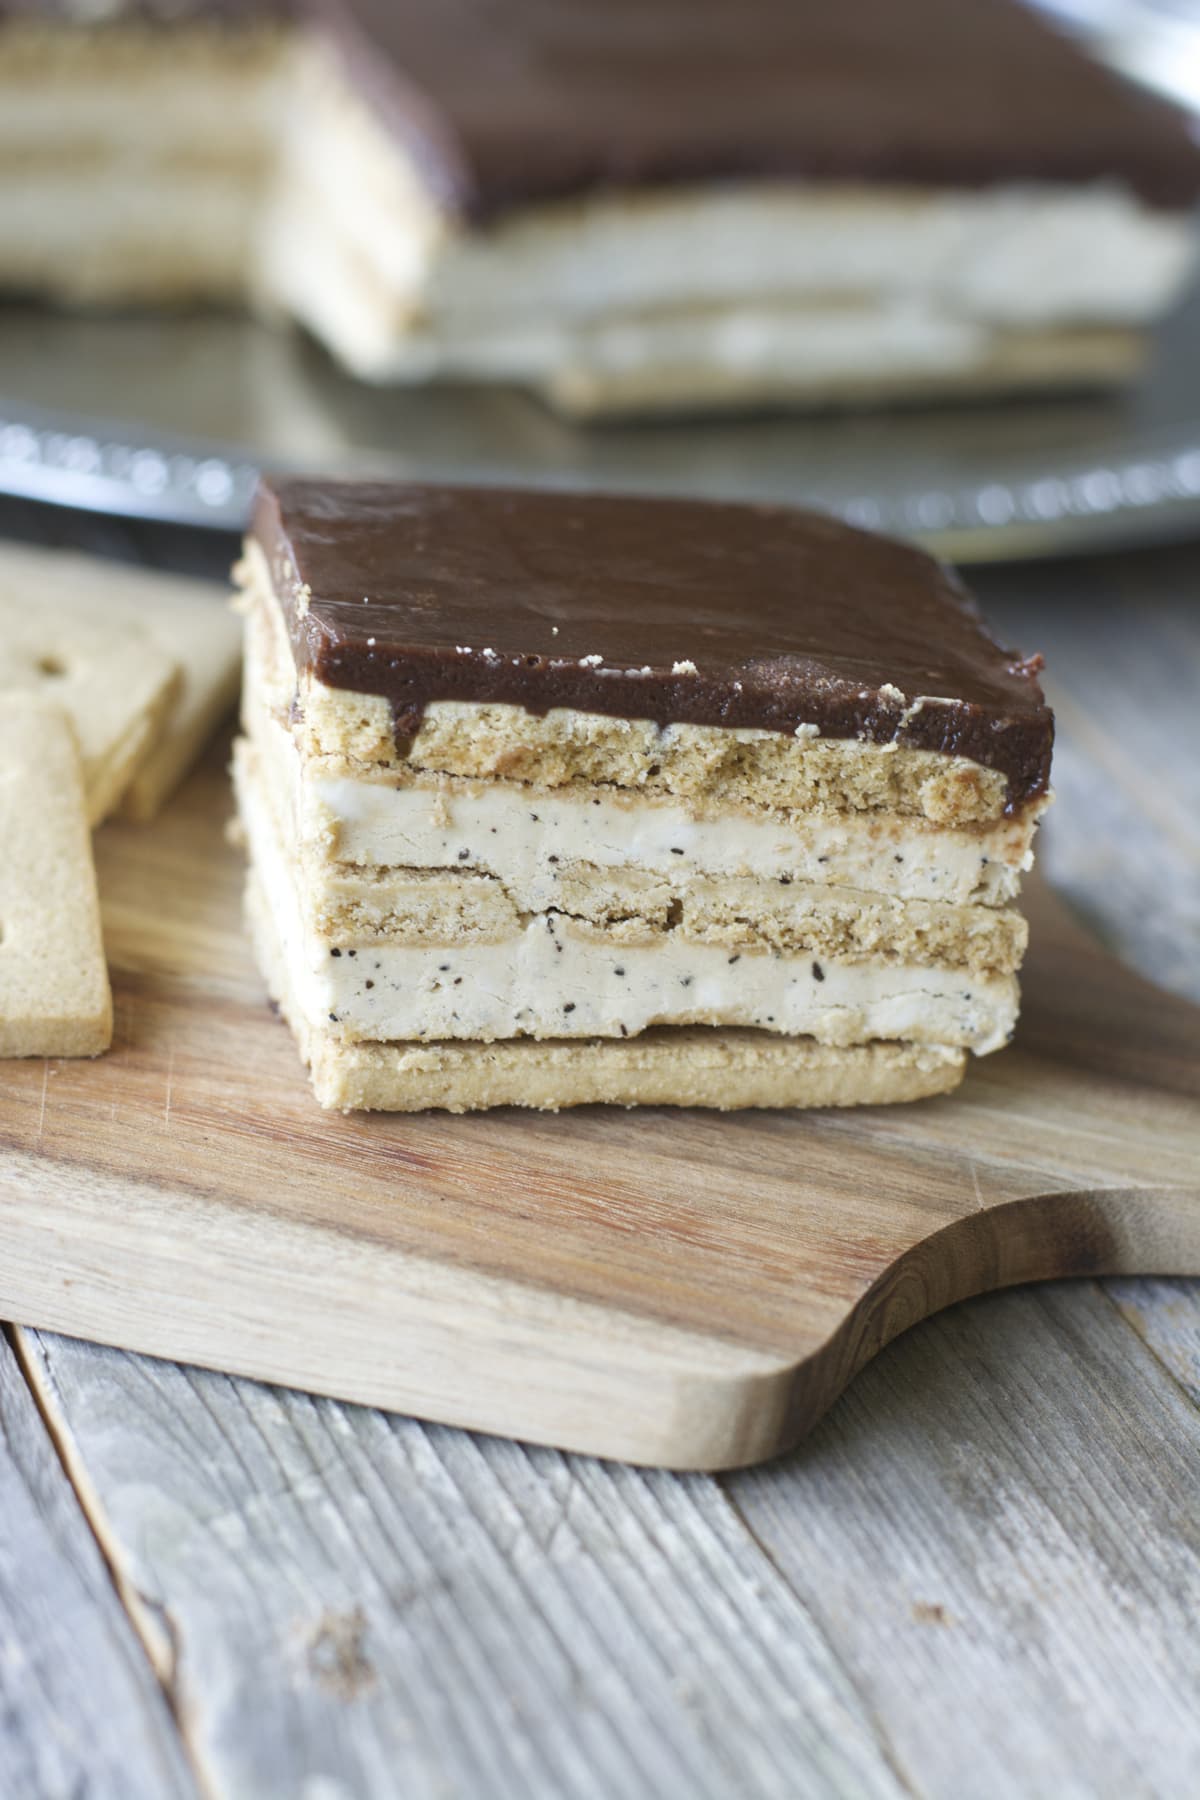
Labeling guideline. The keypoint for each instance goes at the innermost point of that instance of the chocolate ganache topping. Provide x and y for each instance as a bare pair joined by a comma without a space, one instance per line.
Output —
676,611
507,102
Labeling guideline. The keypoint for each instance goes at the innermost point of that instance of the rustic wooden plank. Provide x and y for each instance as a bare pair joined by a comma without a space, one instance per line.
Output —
995,1529
1166,1316
979,1557
1124,839
81,1711
689,1290
366,1606
1122,645
994,1526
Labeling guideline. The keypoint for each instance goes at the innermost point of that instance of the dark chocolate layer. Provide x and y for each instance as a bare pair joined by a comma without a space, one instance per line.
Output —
600,603
507,102
510,101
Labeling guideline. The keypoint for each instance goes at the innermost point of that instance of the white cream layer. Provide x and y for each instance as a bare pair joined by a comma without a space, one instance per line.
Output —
1006,256
126,233
555,978
797,344
522,836
168,112
465,303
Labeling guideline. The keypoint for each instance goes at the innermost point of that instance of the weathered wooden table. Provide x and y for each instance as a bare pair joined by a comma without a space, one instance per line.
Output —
980,1576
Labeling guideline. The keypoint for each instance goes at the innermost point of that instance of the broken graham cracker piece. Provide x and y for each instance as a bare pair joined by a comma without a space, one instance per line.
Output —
59,639
54,992
193,620
185,629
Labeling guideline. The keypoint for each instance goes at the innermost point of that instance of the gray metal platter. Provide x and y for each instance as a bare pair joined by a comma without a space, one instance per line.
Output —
171,417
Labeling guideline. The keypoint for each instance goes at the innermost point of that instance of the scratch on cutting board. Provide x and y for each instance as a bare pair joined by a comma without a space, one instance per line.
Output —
170,1076
42,1114
979,1200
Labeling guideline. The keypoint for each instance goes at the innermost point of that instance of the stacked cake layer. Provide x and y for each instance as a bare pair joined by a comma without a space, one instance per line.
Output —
136,146
512,856
630,208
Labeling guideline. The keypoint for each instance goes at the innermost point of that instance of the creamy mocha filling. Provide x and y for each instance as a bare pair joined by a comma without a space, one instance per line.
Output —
526,837
357,904
529,838
556,977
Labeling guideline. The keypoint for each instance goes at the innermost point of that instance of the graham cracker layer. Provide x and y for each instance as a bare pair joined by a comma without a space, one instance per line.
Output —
725,1069
353,734
555,976
438,906
565,748
342,824
1012,360
350,906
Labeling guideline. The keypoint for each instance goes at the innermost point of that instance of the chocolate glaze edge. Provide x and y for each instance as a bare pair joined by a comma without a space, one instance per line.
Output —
1016,740
556,101
529,102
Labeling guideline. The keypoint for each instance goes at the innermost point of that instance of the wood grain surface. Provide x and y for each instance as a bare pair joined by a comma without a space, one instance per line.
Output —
976,1579
77,1690
667,1287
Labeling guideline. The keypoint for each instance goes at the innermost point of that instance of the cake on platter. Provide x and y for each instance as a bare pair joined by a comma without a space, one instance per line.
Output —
639,206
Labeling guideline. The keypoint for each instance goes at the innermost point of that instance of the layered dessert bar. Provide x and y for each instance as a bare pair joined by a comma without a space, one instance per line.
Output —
645,205
556,798
634,205
137,144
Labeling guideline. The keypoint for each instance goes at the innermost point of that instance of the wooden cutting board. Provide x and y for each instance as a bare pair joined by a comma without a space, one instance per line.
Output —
667,1287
